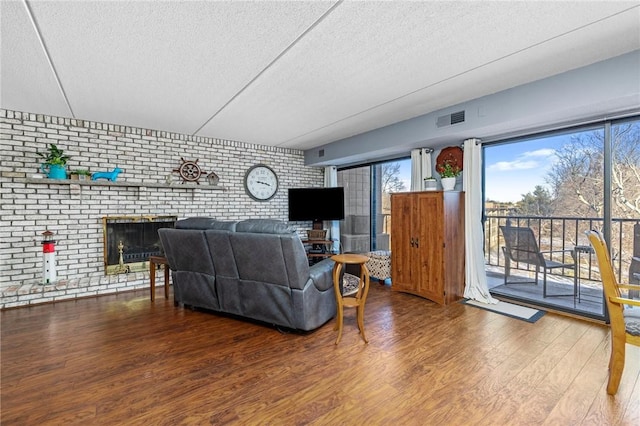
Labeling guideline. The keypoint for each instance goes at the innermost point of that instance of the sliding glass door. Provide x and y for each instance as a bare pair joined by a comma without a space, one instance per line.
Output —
560,185
367,222
355,229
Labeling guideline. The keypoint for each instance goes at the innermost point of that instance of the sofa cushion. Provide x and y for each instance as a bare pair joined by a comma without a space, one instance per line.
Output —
180,246
222,253
259,257
195,223
222,225
205,223
265,226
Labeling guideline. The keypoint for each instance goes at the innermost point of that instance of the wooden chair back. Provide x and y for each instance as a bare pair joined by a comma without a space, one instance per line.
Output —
609,280
624,327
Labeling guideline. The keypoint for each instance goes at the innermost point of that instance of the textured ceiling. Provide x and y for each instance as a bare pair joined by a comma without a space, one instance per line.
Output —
291,74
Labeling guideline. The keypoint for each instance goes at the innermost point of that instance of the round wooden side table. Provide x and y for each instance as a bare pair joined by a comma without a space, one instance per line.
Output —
358,299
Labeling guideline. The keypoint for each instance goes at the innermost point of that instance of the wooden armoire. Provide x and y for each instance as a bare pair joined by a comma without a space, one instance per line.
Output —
427,244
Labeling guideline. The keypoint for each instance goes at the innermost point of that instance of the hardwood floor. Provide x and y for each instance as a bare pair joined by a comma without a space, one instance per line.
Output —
126,360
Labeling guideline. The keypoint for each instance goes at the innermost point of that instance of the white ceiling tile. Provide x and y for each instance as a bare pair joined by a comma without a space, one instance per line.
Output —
168,65
338,69
26,80
354,72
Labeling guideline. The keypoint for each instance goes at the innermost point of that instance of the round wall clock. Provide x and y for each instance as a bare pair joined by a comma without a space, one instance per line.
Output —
261,182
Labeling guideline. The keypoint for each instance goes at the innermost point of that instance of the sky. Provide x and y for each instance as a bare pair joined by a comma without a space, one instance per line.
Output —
512,170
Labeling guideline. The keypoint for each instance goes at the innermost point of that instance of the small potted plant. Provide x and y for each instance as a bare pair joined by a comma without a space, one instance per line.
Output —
55,163
430,184
80,174
449,166
448,174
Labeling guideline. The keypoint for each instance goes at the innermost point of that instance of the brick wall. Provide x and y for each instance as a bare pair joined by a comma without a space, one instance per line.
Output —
75,212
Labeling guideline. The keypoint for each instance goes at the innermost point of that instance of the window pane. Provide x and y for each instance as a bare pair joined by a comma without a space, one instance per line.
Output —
625,203
553,184
367,203
355,234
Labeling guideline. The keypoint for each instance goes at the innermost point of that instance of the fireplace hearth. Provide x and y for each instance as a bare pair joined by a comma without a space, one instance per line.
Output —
129,241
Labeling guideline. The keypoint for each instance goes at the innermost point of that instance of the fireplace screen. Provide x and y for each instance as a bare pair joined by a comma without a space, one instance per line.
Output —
130,240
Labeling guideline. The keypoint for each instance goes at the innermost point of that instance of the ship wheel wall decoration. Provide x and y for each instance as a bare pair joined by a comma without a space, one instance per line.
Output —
189,171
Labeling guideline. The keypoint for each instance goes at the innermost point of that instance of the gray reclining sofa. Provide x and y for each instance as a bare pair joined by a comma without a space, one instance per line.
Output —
255,268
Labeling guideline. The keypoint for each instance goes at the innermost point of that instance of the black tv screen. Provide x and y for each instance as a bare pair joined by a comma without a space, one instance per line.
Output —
316,204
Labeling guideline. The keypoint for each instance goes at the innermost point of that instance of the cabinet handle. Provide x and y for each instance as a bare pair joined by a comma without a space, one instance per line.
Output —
417,244
412,243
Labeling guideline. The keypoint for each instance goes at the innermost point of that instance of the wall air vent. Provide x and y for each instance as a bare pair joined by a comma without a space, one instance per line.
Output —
449,119
321,153
457,117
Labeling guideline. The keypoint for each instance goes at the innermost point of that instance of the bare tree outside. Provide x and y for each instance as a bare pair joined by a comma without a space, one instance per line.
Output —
391,178
577,179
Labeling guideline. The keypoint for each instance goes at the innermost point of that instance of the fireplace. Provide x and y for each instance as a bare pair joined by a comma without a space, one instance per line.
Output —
130,240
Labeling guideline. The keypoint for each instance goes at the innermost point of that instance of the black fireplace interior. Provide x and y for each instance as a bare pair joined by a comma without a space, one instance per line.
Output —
137,237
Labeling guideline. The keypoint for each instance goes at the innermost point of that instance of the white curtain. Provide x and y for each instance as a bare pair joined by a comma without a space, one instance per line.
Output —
420,167
331,180
476,287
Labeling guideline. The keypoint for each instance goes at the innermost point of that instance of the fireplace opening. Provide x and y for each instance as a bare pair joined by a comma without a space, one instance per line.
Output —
129,241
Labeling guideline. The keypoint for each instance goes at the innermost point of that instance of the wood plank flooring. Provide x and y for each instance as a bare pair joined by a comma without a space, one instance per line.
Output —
123,359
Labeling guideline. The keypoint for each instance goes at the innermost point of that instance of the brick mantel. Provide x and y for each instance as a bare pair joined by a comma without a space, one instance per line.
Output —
73,210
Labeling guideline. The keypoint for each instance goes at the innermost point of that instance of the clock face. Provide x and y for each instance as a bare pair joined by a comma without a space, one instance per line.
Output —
261,182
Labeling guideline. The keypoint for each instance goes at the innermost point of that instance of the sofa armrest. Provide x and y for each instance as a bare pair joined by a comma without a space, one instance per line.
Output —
321,274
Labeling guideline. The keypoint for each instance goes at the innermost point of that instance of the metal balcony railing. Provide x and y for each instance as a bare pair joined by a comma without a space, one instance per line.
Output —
561,233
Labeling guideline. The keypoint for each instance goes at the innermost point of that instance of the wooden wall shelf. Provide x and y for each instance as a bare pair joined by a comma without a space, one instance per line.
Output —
45,181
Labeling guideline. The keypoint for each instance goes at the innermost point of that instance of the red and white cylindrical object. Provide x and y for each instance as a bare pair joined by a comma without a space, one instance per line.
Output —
49,274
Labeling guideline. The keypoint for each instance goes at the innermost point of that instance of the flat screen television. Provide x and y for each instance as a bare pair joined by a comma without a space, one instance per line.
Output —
316,204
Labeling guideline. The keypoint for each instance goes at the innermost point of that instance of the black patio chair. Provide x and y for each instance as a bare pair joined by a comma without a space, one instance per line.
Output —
521,247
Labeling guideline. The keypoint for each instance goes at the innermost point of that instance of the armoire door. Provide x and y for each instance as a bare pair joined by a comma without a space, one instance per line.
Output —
402,243
430,241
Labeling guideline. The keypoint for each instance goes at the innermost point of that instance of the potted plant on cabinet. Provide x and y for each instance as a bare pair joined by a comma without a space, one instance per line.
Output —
430,184
448,174
449,166
55,162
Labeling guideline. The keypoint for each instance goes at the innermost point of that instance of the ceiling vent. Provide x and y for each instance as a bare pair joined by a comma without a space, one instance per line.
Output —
449,119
